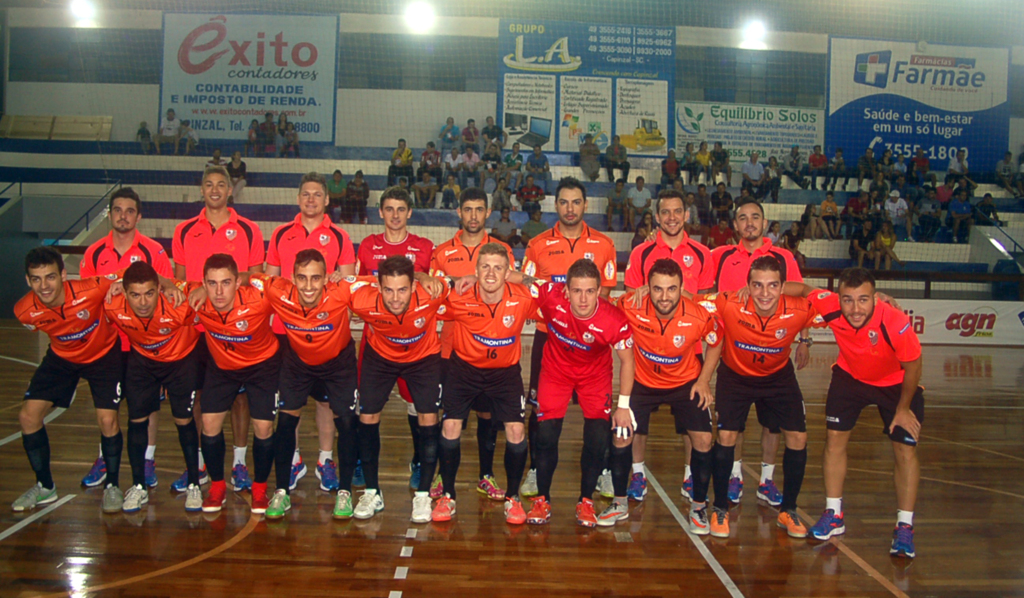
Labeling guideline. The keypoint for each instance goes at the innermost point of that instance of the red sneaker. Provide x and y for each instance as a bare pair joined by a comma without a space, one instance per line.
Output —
215,498
540,512
514,512
260,501
585,513
444,510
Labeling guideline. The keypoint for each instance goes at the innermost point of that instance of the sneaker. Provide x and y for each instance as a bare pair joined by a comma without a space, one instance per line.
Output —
280,504
540,512
529,487
699,521
637,487
514,512
735,489
789,521
437,488
604,484
151,481
327,473
414,475
687,489
240,479
260,501
585,513
215,497
298,472
193,499
444,510
903,541
828,525
769,493
357,476
370,503
33,497
420,508
97,474
181,484
719,523
489,487
113,499
614,513
136,498
343,505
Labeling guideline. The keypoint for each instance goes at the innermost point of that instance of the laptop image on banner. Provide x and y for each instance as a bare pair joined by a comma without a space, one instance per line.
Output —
540,132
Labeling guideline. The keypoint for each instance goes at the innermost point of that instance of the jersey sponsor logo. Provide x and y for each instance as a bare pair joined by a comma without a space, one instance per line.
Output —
609,270
357,285
286,301
123,317
350,279
134,259
405,341
441,309
558,278
818,319
411,256
624,344
511,303
242,312
450,252
83,314
242,325
687,260
683,324
76,336
322,315
660,359
780,333
755,348
588,256
709,305
551,242
320,328
678,340
164,331
785,316
166,320
156,345
420,322
598,330
230,234
590,241
588,337
873,337
230,339
35,314
508,320
494,342
572,343
256,284
823,295
642,319
531,270
712,338
75,302
832,419
905,328
325,239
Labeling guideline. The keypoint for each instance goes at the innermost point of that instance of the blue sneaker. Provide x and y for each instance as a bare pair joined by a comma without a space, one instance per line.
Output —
298,472
97,475
151,473
903,541
687,490
735,489
829,525
769,493
181,484
414,475
637,487
357,476
240,479
327,473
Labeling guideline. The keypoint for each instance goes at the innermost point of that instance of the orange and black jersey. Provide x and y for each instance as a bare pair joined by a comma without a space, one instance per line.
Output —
167,336
240,337
79,330
455,259
489,336
404,338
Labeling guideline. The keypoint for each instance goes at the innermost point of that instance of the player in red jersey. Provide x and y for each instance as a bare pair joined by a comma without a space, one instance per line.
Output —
312,229
121,248
584,328
879,364
457,258
395,210
218,229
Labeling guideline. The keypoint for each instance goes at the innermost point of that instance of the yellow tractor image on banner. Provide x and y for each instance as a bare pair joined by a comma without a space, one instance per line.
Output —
646,137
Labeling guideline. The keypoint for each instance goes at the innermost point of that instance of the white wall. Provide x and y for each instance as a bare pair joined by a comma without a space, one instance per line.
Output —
128,104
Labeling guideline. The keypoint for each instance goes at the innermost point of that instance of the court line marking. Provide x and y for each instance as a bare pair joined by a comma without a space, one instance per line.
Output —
406,552
49,417
712,562
971,446
936,480
971,407
401,572
7,533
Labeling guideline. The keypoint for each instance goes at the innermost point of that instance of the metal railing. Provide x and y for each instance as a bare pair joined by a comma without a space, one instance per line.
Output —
87,216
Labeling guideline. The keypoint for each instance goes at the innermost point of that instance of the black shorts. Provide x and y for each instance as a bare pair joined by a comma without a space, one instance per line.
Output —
56,379
335,381
378,377
780,404
499,390
144,377
688,416
204,360
259,382
536,356
847,397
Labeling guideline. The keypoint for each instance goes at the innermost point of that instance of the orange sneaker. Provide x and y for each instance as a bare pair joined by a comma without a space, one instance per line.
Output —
215,498
719,523
514,512
260,501
585,513
444,510
540,512
789,521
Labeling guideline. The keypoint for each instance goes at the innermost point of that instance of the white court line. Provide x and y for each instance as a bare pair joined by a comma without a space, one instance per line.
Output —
49,418
401,572
7,533
727,581
971,407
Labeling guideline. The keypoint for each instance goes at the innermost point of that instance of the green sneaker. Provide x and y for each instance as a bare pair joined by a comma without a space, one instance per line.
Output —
343,505
34,496
113,499
280,504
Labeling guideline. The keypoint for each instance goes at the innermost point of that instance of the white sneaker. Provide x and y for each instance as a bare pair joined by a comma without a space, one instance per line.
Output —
113,499
34,496
421,508
529,487
698,523
136,498
193,498
604,484
370,503
615,513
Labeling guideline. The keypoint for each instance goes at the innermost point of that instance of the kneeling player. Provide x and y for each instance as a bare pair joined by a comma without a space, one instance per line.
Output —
667,332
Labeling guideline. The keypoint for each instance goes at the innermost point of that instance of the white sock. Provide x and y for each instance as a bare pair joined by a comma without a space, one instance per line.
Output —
202,464
239,456
101,451
696,506
326,456
296,457
638,467
151,452
737,469
688,473
836,504
905,517
767,471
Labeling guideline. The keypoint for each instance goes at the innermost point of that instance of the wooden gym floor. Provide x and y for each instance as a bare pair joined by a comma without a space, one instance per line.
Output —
968,523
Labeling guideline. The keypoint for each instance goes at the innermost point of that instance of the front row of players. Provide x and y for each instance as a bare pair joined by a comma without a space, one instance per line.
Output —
653,331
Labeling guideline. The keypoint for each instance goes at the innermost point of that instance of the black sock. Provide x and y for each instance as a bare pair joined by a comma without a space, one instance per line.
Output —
486,440
794,463
597,434
111,447
620,461
369,453
428,455
263,459
188,438
414,429
450,450
138,439
347,448
213,455
700,465
284,448
722,457
531,434
37,447
548,432
515,464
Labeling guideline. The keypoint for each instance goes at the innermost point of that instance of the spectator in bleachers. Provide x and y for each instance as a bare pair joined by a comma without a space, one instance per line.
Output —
987,211
967,185
357,193
817,166
721,203
899,168
494,134
450,136
671,170
291,140
530,195
169,132
703,201
793,166
537,165
907,192
812,226
470,167
773,233
501,198
854,213
143,137
401,163
615,158
773,179
721,235
425,191
533,227
791,240
745,196
617,204
336,193
280,131
721,162
238,173
960,217
268,135
471,137
929,215
921,170
879,185
638,202
703,158
885,165
958,167
430,161
643,230
945,192
885,246
876,208
898,213
862,244
491,166
590,158
754,178
688,164
252,138
692,226
866,167
830,215
453,164
216,160
190,135
836,170
514,167
505,230
1005,174
451,191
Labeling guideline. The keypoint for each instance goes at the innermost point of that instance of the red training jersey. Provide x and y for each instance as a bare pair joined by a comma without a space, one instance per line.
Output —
488,336
576,346
405,338
694,258
79,330
196,239
289,239
167,336
732,263
376,248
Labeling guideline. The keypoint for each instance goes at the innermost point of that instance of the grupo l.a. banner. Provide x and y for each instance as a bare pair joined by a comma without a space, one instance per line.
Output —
904,96
222,71
559,81
747,128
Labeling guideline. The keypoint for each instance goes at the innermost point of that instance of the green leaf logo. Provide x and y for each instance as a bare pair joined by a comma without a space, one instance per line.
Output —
688,111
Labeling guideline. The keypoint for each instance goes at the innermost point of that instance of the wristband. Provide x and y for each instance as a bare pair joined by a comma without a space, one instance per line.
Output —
623,401
806,341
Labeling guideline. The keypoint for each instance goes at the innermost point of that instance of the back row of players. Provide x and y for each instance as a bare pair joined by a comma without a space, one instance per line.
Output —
258,344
